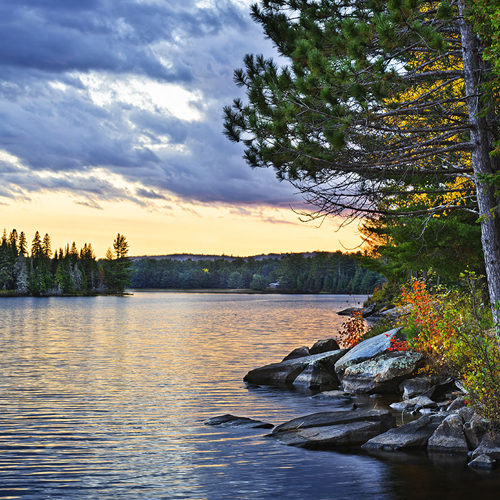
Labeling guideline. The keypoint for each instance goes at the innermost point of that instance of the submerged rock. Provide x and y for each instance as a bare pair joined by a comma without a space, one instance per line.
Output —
328,430
412,435
233,421
382,374
284,374
333,395
482,462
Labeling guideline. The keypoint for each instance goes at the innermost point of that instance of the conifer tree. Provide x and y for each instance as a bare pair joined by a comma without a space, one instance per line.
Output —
379,104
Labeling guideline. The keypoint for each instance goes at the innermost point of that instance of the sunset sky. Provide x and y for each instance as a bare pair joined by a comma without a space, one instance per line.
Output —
111,121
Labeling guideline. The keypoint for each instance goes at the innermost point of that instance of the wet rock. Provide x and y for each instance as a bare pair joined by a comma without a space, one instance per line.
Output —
414,404
300,352
382,374
482,462
412,435
328,430
365,350
316,375
233,421
324,346
490,445
332,395
449,437
283,374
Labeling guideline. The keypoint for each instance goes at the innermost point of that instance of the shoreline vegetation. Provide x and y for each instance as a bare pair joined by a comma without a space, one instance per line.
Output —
67,271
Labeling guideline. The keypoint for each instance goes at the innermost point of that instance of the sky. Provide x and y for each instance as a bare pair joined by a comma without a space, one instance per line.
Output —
111,121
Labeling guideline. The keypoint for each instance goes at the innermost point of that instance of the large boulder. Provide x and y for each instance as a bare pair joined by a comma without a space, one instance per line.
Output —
475,429
328,430
233,421
284,374
381,374
449,437
412,435
367,349
324,346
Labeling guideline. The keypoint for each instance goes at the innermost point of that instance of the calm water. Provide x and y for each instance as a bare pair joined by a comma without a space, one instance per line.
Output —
105,397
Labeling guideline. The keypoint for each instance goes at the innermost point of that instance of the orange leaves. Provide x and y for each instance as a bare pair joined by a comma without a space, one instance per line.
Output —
352,330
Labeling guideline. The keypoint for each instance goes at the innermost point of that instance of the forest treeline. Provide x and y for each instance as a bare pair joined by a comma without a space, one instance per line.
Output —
38,270
293,273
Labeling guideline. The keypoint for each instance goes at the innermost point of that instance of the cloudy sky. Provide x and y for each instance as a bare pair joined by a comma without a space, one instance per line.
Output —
110,121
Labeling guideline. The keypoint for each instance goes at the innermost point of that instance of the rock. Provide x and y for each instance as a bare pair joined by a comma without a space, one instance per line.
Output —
482,462
475,430
324,346
349,311
414,404
332,395
283,374
233,421
316,375
412,435
449,437
418,386
300,352
490,445
366,349
328,430
457,404
382,374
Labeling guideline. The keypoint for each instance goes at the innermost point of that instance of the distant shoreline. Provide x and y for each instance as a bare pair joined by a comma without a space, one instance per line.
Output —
237,291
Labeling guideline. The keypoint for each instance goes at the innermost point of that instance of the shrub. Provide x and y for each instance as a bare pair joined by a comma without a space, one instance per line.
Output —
353,329
453,327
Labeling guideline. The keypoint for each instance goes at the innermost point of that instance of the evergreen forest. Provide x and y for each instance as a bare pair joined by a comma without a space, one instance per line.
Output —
37,270
321,272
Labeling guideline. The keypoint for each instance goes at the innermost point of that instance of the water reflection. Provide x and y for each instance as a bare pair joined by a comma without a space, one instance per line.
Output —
105,398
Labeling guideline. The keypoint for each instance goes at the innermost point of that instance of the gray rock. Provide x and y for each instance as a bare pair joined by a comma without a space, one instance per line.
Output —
449,437
418,386
367,349
300,352
490,445
233,421
283,374
457,404
332,395
475,430
316,375
349,311
482,462
328,430
381,374
414,404
412,435
324,346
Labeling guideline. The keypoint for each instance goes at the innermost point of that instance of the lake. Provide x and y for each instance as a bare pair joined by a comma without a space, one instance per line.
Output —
105,397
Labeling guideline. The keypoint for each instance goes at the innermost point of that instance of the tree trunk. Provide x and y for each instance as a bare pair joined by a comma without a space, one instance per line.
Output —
482,163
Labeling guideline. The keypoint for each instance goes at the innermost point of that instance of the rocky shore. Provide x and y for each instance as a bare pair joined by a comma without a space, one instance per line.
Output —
435,408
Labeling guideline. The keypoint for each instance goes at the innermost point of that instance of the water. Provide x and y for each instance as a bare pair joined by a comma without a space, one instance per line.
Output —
105,397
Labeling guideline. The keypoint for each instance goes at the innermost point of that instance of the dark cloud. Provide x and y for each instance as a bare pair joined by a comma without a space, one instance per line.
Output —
77,106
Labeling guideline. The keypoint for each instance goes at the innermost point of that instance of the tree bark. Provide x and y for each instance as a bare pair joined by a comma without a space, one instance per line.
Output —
482,163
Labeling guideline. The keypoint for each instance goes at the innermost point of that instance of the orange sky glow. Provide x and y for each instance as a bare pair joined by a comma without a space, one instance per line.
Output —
181,228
